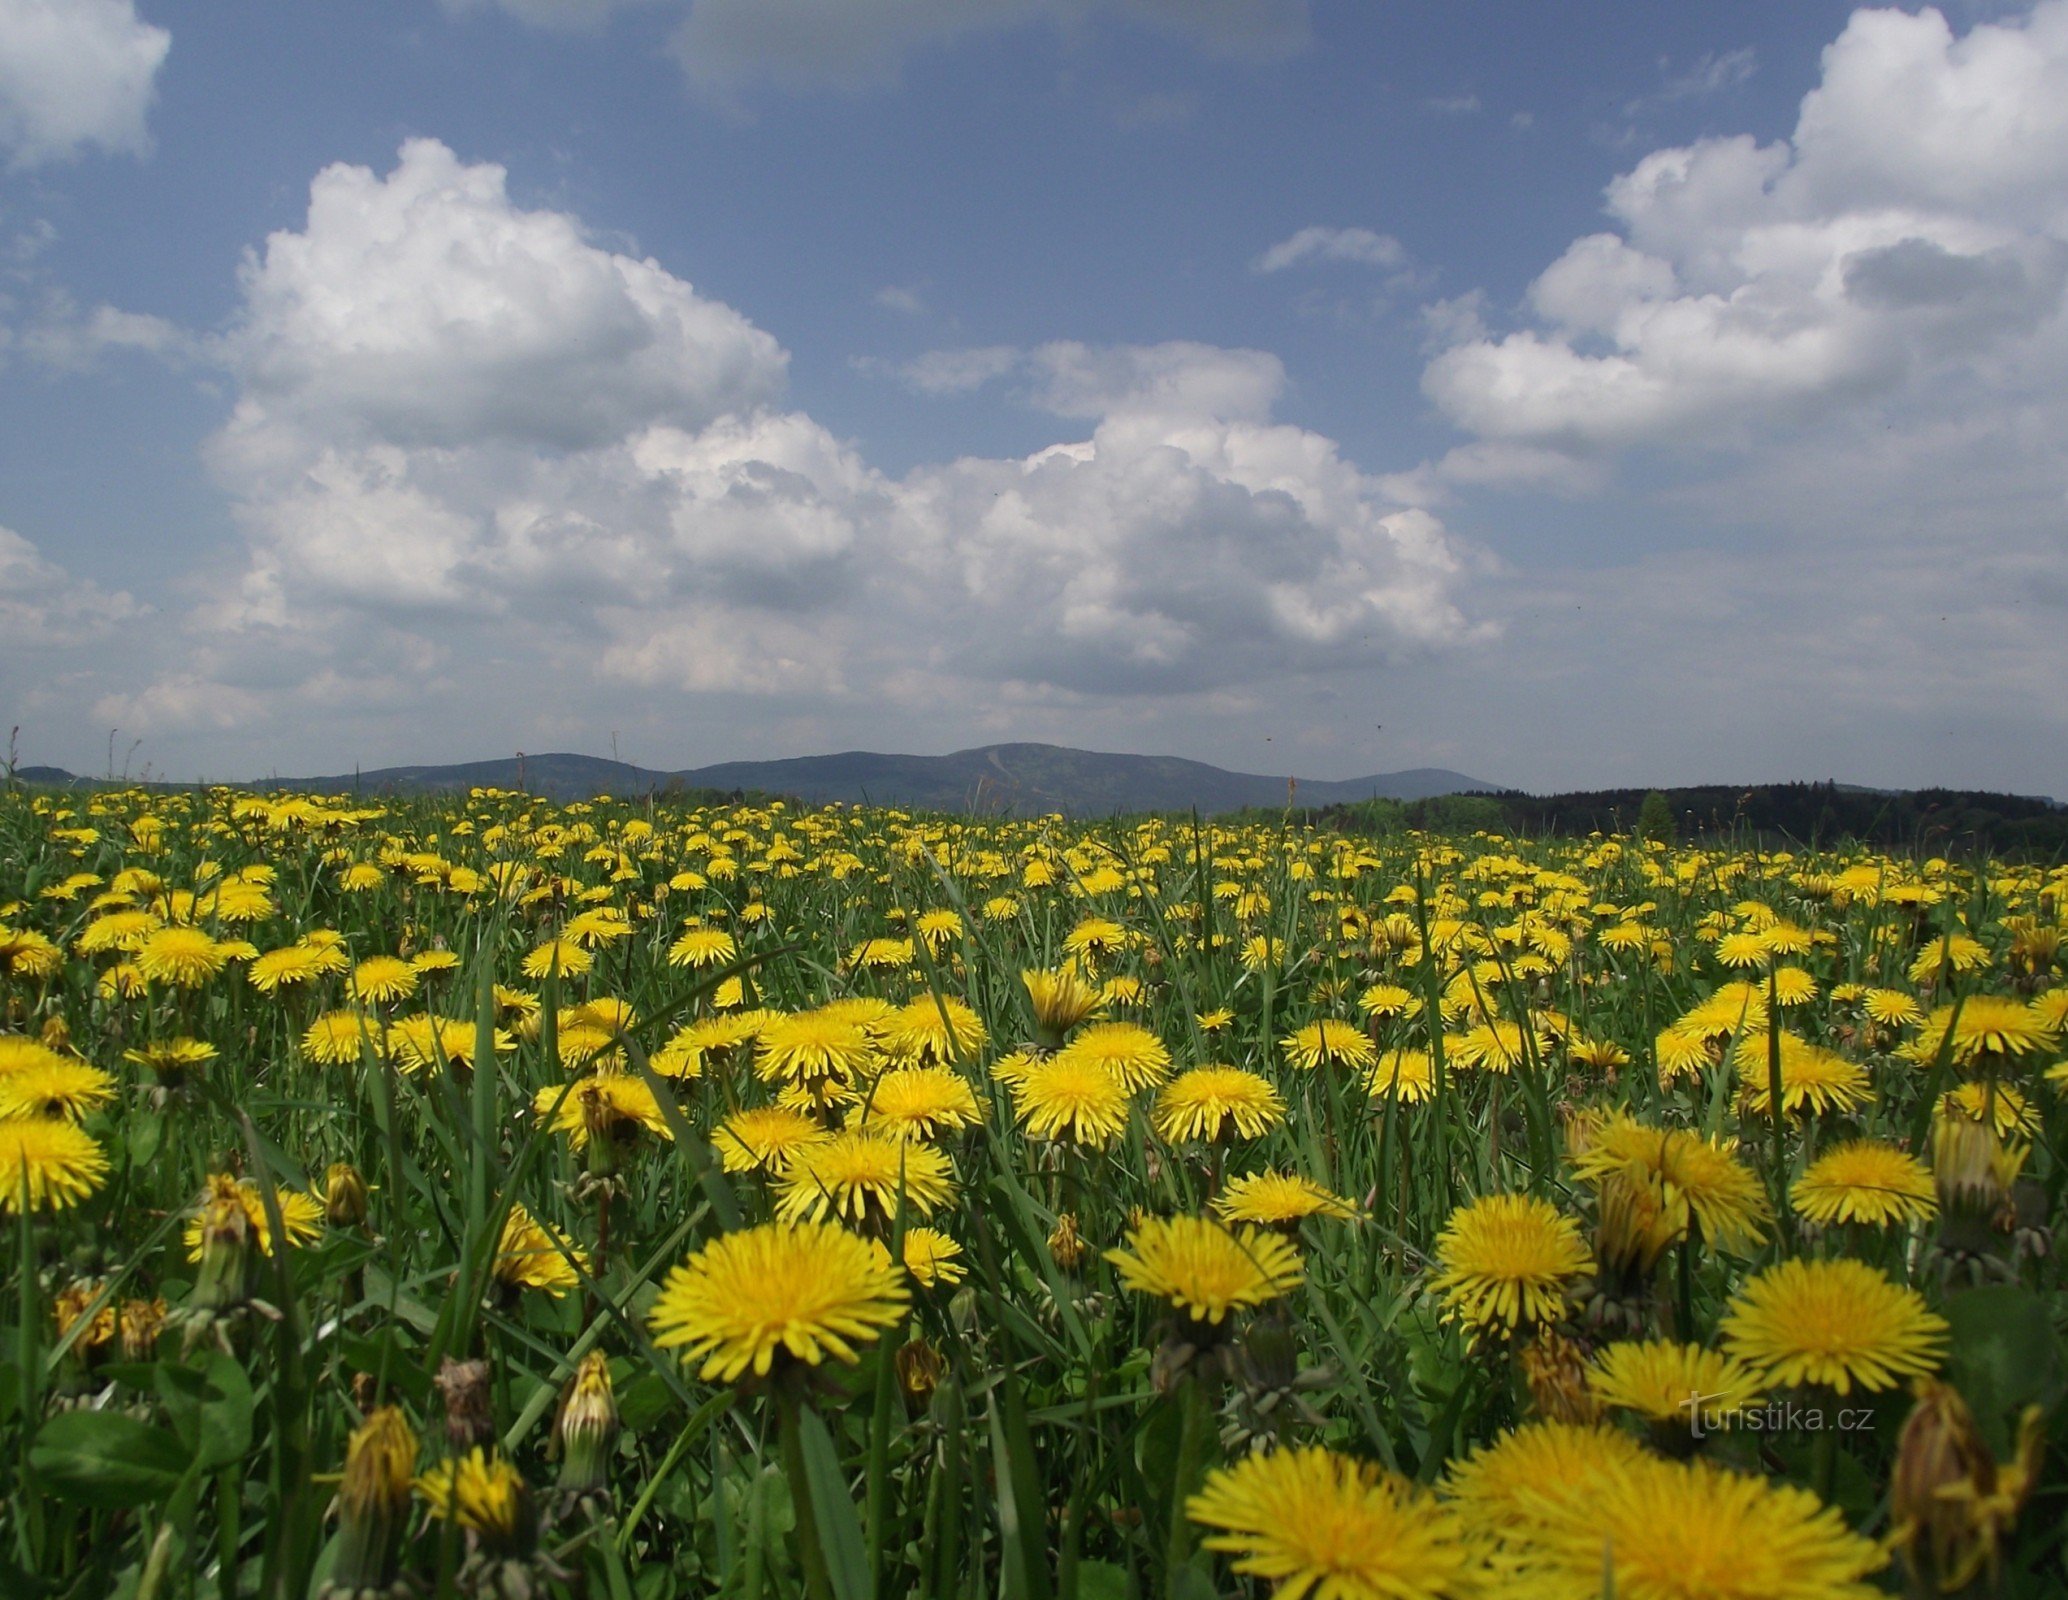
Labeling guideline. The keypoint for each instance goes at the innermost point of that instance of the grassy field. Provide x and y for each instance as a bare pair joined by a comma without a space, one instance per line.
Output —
487,1197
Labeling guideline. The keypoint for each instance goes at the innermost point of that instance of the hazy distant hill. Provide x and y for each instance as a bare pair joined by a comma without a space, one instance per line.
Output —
1003,779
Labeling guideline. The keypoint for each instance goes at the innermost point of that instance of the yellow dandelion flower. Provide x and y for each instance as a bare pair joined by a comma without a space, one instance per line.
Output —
931,1257
862,1178
918,1103
1813,1079
1205,1269
532,1255
484,1494
1409,1074
1865,1181
1563,1459
25,953
1321,1525
1278,1200
1835,1323
48,1165
301,1214
1892,1008
384,978
1988,1026
62,1088
605,1105
1998,1104
764,1138
1133,1055
1069,1099
1681,1168
800,1291
940,1030
293,965
564,956
812,1046
337,1037
703,947
1666,1382
1217,1103
1508,1259
186,958
1648,1529
1329,1043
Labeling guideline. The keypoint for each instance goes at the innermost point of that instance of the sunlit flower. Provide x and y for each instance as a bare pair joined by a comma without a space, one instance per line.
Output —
1205,1269
1133,1055
800,1291
1329,1043
1068,1098
1314,1523
1508,1260
1835,1323
48,1165
301,1214
1865,1181
1278,1200
863,1179
1217,1103
532,1255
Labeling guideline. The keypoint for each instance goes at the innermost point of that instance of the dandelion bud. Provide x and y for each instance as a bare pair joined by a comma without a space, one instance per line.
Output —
463,1386
373,1505
1554,1366
141,1323
225,1251
1951,1502
57,1033
1974,1171
344,1195
1633,1229
919,1373
587,1426
1064,1244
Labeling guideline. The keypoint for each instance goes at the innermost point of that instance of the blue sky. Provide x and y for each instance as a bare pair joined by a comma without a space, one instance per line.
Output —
1570,396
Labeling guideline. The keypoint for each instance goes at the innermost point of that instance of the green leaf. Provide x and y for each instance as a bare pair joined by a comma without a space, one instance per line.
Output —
1103,1580
832,1506
211,1409
103,1459
2004,1357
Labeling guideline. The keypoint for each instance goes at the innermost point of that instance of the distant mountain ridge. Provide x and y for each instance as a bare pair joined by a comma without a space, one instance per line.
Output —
998,779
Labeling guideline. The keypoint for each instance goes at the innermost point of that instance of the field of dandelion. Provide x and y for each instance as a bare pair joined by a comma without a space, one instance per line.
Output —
488,1197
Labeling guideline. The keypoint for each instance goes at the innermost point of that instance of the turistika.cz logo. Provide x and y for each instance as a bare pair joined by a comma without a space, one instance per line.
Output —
1776,1416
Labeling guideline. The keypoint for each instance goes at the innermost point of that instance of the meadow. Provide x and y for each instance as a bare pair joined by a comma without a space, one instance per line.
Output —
623,1199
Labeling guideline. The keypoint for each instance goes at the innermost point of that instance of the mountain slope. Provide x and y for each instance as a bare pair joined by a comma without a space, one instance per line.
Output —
1002,779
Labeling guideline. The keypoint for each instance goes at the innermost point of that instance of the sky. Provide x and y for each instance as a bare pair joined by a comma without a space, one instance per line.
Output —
1575,396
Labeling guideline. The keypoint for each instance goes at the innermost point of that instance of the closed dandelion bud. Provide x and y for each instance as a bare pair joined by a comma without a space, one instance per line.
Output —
1632,1230
1064,1244
141,1323
587,1426
1951,1502
373,1505
1554,1366
57,1034
463,1386
225,1229
344,1196
1973,1171
919,1373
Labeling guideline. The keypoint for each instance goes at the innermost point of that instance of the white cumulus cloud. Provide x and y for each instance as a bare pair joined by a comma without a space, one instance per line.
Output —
1916,221
493,473
75,73
1359,245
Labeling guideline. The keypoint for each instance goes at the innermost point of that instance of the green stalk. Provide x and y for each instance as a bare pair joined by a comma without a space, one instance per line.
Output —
1194,1437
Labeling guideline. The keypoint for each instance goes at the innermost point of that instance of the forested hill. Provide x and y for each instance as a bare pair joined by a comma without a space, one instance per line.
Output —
1926,821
